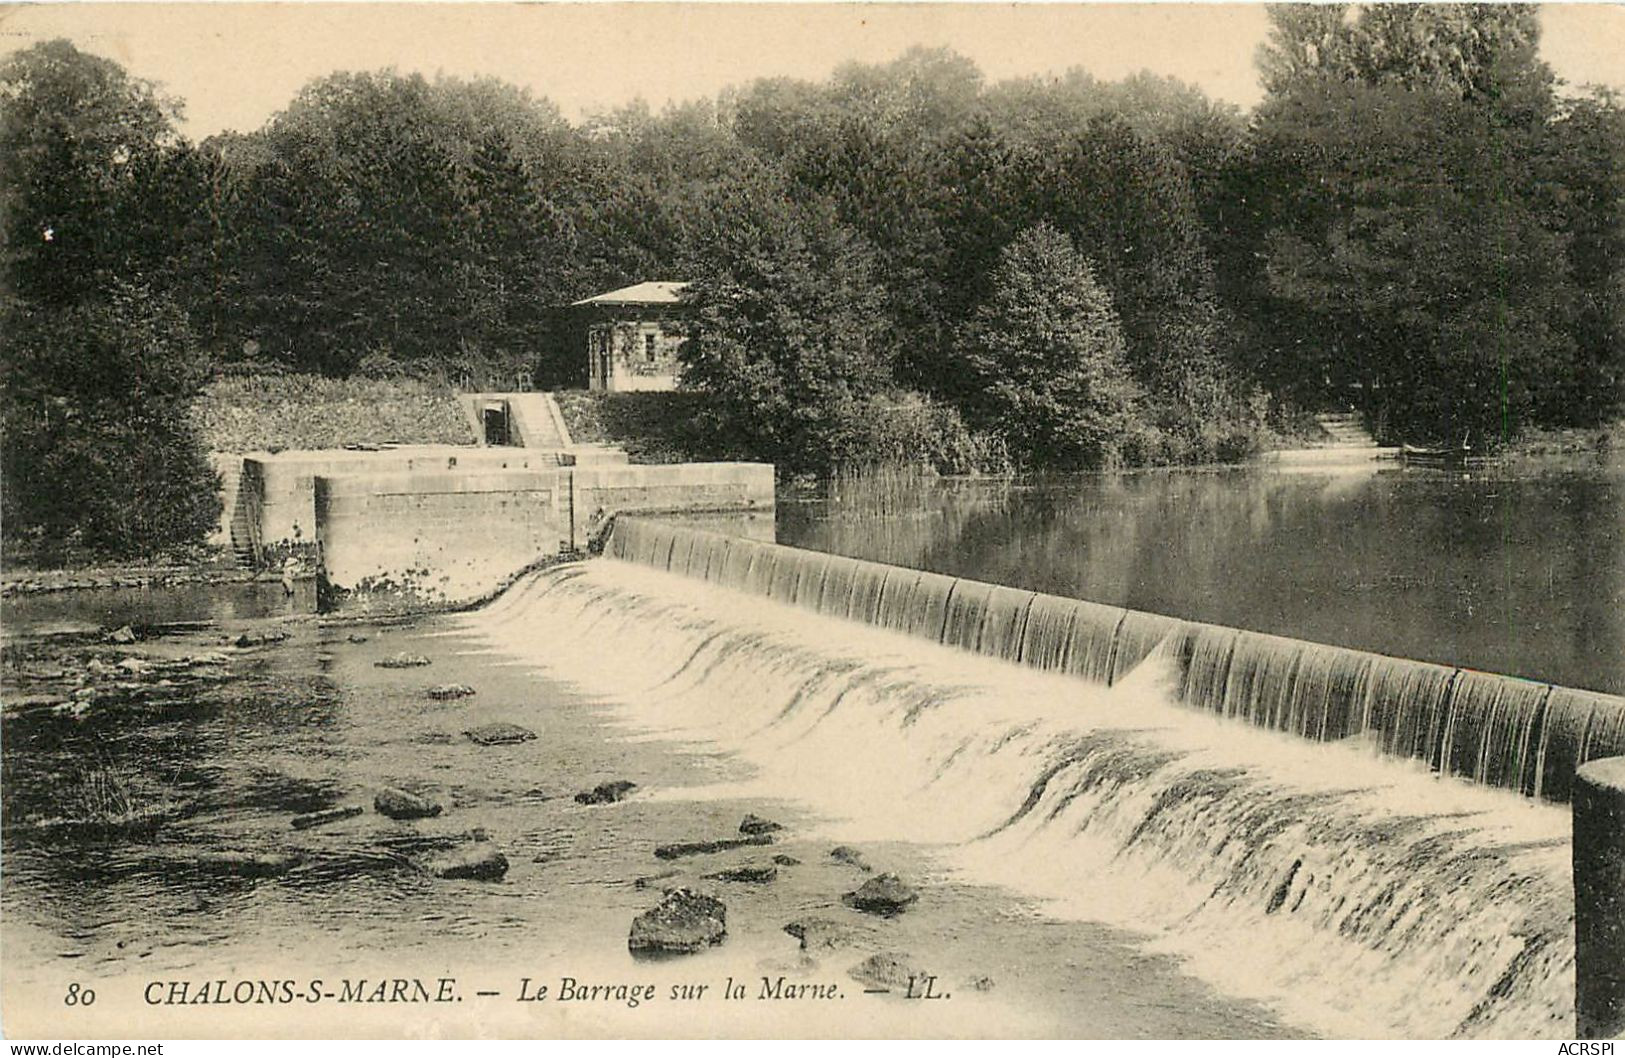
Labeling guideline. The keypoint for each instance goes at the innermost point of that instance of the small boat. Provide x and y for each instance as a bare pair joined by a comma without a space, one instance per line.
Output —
1442,456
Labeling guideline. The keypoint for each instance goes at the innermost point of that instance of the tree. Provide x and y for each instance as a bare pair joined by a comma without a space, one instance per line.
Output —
873,143
387,219
1478,52
1415,256
1397,229
100,365
789,330
101,454
1049,354
89,187
1586,167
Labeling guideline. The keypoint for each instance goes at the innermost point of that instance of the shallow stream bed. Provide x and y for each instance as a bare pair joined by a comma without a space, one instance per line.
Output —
134,816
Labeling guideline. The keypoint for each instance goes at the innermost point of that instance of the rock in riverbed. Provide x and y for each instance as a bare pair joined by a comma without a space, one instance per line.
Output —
702,848
260,639
398,804
684,922
402,660
123,635
650,881
848,855
606,793
499,734
786,861
479,863
755,873
825,934
753,824
887,969
886,894
450,691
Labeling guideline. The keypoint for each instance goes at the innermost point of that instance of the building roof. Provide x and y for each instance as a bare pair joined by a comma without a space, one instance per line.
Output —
639,294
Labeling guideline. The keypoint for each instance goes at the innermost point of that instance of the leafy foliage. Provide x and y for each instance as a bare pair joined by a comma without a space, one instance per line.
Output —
786,326
1048,353
381,219
100,361
1403,224
100,453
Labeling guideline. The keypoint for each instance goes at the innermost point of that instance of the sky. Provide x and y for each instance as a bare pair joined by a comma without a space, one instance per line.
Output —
235,64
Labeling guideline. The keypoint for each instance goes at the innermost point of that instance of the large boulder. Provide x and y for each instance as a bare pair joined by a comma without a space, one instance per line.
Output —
754,824
884,894
478,862
682,923
398,804
450,691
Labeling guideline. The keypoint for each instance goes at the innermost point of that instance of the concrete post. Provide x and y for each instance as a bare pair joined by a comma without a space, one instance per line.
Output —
1599,899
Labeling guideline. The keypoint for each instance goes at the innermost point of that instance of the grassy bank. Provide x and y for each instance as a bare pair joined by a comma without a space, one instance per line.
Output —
652,427
276,412
902,430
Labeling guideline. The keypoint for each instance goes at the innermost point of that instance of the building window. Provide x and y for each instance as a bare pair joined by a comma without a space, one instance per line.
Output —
649,348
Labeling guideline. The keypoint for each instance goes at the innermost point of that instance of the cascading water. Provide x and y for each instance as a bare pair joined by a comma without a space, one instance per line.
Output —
1360,894
1497,730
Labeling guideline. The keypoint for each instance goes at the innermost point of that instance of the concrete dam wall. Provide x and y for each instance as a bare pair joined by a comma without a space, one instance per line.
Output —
451,536
1497,730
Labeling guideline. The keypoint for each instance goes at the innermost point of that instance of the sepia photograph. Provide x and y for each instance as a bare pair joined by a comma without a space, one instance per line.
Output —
785,521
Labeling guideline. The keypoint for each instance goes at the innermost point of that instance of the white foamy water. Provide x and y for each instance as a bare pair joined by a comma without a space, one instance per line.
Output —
1358,894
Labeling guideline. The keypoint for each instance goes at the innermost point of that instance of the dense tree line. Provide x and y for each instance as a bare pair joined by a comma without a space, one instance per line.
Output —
1415,220
1416,216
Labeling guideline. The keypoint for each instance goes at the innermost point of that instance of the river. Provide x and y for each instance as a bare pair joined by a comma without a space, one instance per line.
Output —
311,722
1518,570
1073,847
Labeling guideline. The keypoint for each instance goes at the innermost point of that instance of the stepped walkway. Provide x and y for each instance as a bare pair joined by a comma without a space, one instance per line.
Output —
1346,430
534,419
1345,441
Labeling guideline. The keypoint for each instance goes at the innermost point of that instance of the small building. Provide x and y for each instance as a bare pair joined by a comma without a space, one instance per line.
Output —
633,336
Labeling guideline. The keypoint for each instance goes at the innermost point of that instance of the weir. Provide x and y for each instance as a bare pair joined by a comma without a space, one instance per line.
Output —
1356,892
1498,730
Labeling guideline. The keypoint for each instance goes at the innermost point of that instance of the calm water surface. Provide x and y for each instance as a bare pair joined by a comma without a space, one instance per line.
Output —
1519,571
